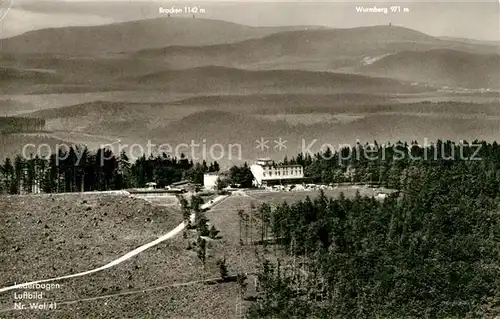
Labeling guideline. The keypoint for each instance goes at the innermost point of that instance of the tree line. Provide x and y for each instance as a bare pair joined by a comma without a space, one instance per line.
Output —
15,124
388,164
78,170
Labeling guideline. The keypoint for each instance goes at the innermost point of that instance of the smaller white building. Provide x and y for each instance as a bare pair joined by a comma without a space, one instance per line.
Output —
210,180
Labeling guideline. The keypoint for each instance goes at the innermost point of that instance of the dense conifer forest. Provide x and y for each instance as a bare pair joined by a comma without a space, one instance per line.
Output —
79,170
430,250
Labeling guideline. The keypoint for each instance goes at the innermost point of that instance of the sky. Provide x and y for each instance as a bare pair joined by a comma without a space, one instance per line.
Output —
472,19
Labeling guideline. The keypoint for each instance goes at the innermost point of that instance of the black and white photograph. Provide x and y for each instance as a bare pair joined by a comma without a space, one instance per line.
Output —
249,159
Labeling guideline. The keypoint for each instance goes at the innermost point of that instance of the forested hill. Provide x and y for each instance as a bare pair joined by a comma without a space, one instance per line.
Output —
431,251
20,124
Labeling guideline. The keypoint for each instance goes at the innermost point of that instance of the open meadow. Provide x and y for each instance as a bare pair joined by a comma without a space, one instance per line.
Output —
55,235
158,271
278,197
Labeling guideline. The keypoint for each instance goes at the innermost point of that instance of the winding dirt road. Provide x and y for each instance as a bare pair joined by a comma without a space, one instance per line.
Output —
125,257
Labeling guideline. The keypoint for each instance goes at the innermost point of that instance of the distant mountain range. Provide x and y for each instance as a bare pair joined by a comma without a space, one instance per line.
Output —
217,57
200,79
135,35
319,50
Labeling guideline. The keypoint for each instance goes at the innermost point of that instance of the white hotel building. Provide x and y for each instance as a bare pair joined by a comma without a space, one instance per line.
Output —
266,172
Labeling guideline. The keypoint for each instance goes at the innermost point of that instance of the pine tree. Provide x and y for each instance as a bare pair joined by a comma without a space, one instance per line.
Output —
8,171
213,233
223,268
240,215
202,252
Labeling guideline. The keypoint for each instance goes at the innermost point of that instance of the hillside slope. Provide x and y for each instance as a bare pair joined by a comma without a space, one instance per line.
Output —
12,78
75,232
440,67
134,35
327,49
223,80
9,75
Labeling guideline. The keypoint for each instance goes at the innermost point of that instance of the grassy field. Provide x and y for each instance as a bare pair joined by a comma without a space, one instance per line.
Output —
195,301
153,271
46,236
166,264
225,218
290,197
